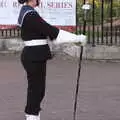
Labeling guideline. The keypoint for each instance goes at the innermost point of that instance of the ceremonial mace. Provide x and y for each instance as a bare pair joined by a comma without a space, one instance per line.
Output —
85,8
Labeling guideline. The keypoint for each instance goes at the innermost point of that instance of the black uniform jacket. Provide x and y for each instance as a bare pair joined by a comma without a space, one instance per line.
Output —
34,27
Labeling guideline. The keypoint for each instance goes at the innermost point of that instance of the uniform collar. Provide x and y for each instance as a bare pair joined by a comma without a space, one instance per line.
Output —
25,9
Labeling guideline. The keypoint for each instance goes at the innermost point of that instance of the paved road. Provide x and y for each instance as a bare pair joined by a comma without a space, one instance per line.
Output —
99,95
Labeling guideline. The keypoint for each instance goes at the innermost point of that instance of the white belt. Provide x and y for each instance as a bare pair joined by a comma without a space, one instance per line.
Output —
36,42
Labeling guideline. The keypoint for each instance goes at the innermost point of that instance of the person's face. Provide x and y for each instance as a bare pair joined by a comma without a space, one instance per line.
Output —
35,3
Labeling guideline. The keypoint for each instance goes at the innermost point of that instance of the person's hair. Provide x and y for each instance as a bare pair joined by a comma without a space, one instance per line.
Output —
22,1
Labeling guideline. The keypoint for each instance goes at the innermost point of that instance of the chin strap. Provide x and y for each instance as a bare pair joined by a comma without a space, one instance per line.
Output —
37,1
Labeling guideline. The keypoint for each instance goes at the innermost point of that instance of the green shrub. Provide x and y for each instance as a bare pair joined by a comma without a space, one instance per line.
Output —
97,11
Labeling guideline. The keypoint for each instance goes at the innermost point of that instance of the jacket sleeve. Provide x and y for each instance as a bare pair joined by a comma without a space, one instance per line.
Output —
34,21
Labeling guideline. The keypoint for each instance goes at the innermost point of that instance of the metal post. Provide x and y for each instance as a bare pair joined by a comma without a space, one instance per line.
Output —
93,22
111,25
102,20
85,8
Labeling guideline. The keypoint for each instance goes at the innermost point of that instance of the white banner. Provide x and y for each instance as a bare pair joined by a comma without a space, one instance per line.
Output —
55,12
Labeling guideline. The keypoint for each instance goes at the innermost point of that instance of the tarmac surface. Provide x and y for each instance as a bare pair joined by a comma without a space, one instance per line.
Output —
99,93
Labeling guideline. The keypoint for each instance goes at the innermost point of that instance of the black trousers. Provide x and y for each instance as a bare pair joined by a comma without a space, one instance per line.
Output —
36,76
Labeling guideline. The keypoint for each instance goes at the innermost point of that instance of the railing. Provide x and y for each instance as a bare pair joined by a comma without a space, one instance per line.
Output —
103,22
102,36
10,33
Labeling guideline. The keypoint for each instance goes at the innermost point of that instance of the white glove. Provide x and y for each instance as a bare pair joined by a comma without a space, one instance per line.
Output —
67,37
83,39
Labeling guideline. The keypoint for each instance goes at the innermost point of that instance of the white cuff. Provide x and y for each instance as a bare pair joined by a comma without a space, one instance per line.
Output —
66,37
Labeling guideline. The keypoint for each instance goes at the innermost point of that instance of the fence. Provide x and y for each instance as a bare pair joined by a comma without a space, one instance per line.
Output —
103,23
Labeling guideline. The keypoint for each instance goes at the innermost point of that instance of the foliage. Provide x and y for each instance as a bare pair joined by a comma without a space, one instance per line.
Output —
98,9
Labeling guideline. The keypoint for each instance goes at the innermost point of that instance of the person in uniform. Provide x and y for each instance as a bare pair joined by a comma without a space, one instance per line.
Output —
35,33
